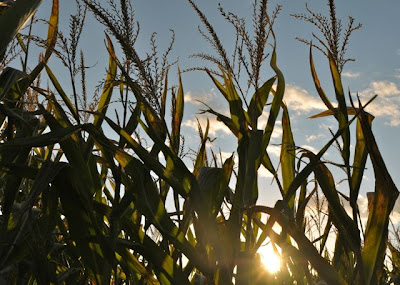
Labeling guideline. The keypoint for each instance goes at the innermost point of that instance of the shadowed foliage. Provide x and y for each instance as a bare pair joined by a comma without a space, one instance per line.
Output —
92,197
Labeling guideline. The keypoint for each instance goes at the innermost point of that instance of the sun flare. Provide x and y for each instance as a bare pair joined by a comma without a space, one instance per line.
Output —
270,259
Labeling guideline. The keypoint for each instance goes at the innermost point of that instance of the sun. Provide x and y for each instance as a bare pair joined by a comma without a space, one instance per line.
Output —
269,258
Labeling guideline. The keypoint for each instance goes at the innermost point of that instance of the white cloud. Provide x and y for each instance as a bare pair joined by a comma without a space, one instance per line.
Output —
216,127
397,73
310,148
274,150
298,99
311,138
382,88
395,217
351,74
211,98
398,51
263,172
262,123
387,104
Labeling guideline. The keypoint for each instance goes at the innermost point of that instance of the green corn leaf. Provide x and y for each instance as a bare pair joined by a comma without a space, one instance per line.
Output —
164,95
380,207
325,235
81,225
201,154
252,161
130,262
154,209
106,94
235,103
131,125
359,161
226,120
305,246
265,231
21,42
52,30
177,117
302,204
61,92
213,184
276,102
8,80
13,19
183,185
19,169
302,176
71,147
258,101
166,270
341,220
334,112
342,110
317,83
267,163
157,128
14,115
41,140
288,155
50,44
46,174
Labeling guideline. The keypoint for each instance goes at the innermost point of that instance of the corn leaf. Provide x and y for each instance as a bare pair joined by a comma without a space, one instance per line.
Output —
235,103
258,101
106,94
61,92
50,44
276,102
342,110
381,206
14,18
341,220
177,117
288,155
317,83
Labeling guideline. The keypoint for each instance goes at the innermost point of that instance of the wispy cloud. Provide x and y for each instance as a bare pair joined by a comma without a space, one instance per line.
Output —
263,172
351,74
216,128
299,100
397,73
387,104
382,88
310,148
274,150
210,98
311,138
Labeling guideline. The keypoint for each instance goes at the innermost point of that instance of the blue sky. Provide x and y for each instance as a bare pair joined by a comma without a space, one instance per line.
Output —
376,48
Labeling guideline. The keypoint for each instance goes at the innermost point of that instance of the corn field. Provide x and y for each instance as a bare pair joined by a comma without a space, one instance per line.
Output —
84,199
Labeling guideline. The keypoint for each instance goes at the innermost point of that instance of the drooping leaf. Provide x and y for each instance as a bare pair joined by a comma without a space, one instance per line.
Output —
13,19
317,83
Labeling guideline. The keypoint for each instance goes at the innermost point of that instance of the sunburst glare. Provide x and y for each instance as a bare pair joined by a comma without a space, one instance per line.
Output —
269,258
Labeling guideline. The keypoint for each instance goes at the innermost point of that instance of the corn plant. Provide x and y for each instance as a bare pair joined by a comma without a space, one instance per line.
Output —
80,205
